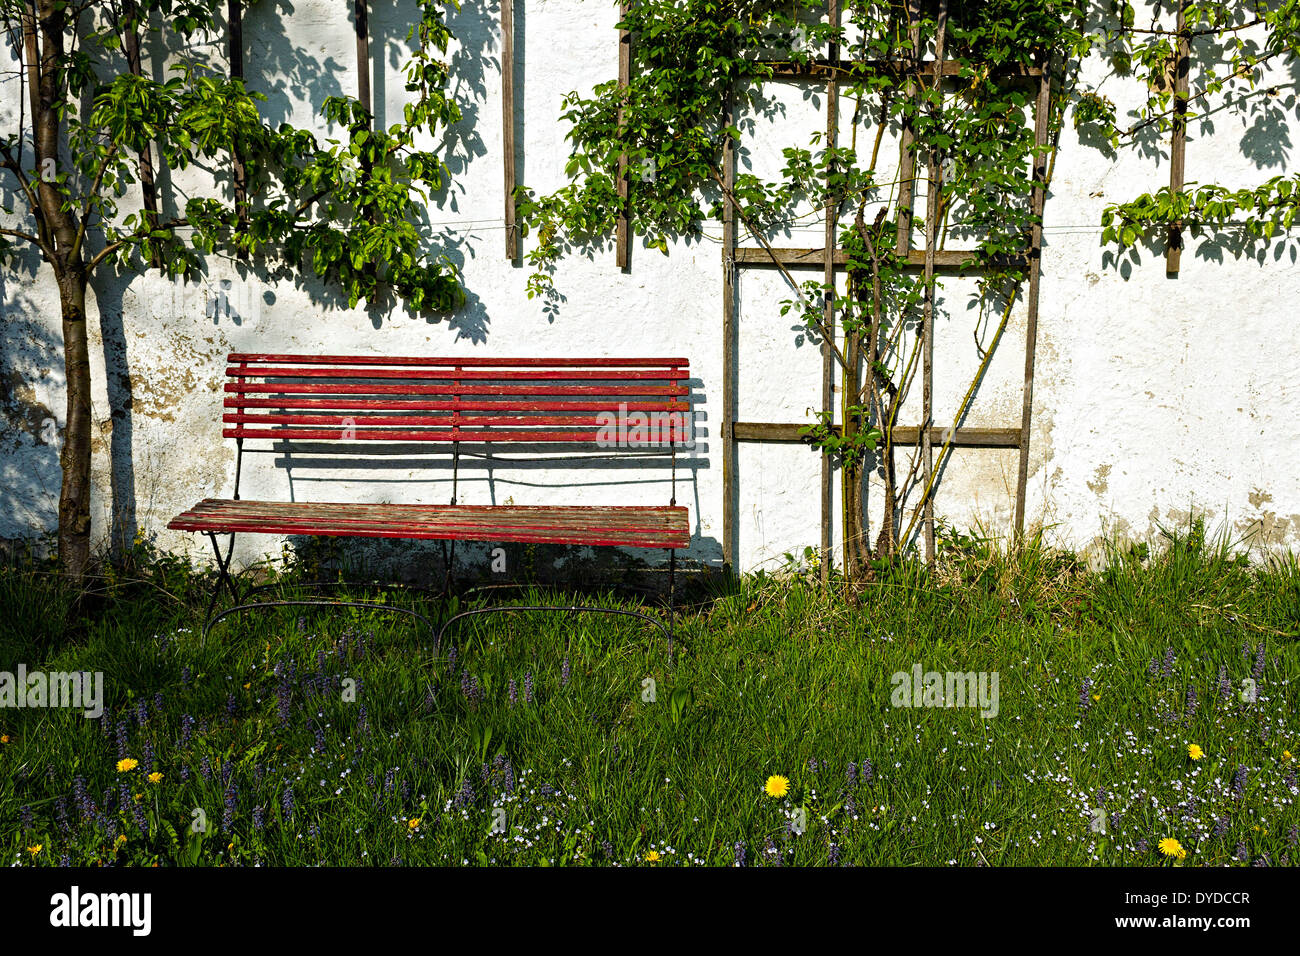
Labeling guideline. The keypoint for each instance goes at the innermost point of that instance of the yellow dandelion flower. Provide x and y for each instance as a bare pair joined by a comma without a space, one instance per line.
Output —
246,686
33,850
413,823
155,777
1171,847
1096,696
121,838
128,764
1286,755
1195,752
776,786
653,857
4,738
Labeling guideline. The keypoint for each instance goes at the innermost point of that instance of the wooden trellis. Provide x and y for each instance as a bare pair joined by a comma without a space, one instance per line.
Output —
930,261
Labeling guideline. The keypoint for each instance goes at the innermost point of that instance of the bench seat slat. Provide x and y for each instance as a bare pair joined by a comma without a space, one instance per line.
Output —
648,527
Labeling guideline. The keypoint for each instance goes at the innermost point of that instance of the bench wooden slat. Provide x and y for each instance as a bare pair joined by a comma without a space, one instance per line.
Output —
649,527
478,361
287,403
467,375
342,388
637,513
437,421
662,435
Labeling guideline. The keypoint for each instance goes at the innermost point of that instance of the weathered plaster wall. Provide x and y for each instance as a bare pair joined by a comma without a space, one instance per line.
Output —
1154,396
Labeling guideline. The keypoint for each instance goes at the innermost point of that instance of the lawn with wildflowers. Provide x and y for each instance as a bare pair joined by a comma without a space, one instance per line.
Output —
1147,716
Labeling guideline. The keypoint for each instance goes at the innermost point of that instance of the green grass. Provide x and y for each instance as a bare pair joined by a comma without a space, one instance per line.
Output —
770,676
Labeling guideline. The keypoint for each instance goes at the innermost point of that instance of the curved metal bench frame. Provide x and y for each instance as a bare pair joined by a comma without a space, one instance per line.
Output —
367,605
243,604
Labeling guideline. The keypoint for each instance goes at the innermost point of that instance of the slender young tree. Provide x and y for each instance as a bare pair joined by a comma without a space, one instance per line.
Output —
93,121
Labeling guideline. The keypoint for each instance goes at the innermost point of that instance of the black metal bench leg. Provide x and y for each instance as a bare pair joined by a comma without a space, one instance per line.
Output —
449,558
223,576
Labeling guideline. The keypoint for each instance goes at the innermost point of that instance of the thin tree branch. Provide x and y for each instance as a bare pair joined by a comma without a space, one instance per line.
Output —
1219,31
90,196
42,237
132,238
19,234
1133,130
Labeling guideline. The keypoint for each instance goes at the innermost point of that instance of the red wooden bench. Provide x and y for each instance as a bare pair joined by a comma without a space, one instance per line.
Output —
620,404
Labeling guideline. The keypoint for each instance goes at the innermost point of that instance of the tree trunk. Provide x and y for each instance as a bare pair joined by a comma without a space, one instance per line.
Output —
885,540
852,476
45,68
853,549
74,496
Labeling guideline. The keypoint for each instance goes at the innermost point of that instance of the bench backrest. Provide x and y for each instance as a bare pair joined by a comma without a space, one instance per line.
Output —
618,402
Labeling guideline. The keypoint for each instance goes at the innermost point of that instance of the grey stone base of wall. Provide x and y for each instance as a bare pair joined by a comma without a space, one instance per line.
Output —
477,564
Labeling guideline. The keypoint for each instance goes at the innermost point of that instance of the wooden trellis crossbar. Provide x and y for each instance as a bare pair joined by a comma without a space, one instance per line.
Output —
960,437
849,69
931,260
945,260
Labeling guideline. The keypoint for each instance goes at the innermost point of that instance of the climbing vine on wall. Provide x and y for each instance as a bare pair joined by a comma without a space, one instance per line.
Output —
700,78
1241,62
698,64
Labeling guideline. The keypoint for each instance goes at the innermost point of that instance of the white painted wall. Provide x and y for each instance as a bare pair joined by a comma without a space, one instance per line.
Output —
1154,396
